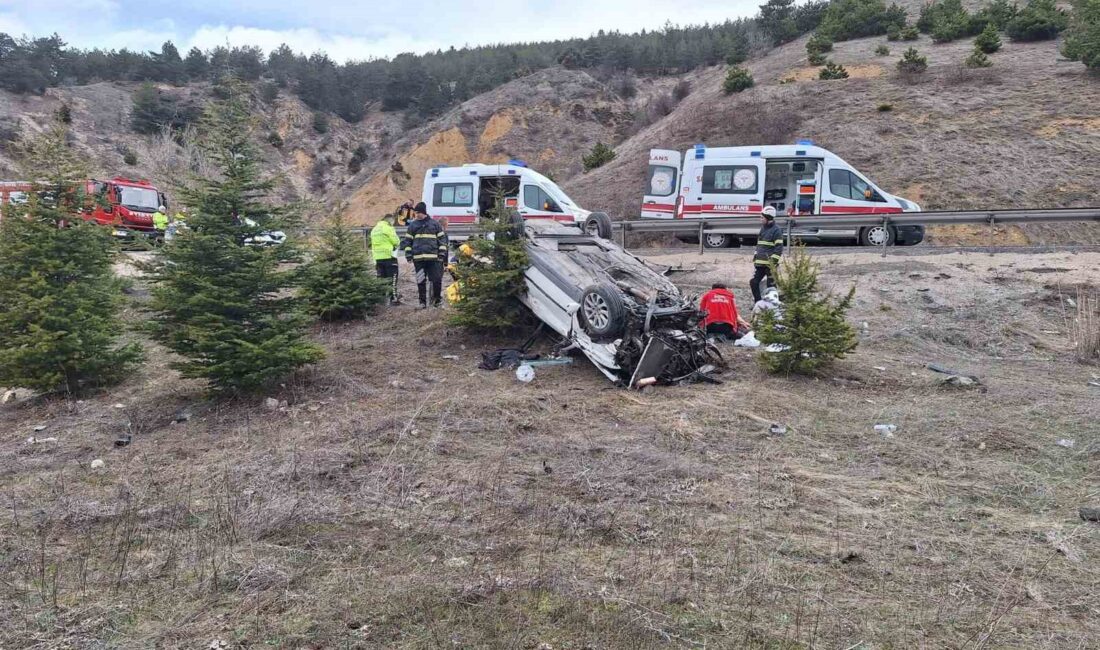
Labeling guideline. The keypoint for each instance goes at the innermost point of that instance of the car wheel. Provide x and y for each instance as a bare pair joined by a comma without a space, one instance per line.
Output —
598,224
716,240
602,314
878,236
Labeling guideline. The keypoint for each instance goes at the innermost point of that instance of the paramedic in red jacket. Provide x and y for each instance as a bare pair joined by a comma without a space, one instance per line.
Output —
720,313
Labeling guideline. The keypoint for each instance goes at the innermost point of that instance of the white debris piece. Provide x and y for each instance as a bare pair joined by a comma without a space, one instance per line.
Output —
1066,442
747,341
98,463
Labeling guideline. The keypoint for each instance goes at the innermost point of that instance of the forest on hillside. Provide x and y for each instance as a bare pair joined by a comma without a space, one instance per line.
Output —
422,85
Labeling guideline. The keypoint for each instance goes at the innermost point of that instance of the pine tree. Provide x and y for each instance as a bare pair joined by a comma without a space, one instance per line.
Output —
737,79
977,59
219,302
988,41
600,155
339,282
912,62
489,278
832,71
812,331
59,296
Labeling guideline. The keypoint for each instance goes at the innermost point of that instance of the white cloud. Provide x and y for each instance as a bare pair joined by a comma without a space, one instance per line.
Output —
308,41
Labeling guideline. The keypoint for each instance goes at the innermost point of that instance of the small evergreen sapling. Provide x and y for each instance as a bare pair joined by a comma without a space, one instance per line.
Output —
59,295
339,283
600,155
812,331
490,280
977,59
988,41
220,303
737,79
832,71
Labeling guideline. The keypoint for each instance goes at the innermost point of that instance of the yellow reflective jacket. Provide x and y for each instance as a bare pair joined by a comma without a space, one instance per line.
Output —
160,220
383,239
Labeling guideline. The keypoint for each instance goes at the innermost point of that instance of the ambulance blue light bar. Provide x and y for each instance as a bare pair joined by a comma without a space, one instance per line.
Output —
517,163
700,151
805,142
435,172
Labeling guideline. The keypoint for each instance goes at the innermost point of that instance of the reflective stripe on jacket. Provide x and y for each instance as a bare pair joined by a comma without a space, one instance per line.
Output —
769,245
424,240
383,241
160,220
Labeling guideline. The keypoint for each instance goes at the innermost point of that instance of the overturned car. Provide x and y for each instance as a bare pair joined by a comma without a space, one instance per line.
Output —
620,311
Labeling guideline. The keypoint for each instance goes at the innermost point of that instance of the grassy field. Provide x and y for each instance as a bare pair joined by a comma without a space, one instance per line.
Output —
398,497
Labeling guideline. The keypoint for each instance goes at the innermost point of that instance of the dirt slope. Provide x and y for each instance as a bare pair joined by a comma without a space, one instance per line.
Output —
403,499
1021,134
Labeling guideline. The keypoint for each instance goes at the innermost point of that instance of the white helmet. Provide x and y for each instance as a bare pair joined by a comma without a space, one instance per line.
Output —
771,294
769,212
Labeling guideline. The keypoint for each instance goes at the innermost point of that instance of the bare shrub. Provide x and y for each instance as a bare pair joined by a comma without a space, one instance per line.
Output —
1084,327
681,90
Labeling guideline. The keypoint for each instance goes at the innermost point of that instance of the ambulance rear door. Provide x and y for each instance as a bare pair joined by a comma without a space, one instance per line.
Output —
452,194
662,184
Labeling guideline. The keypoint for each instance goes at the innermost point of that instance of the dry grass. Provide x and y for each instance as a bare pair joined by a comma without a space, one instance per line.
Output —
1084,326
406,500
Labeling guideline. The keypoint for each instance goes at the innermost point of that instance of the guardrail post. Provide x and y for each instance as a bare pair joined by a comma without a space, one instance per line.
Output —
366,239
789,226
992,232
701,224
885,233
626,226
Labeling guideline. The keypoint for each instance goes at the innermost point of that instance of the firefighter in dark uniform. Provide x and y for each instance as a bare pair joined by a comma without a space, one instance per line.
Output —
425,246
769,247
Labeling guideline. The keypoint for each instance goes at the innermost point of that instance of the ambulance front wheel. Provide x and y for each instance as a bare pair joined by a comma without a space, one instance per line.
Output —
878,236
717,240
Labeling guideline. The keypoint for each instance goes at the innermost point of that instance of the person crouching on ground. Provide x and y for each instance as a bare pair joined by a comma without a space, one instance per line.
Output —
383,246
720,314
425,247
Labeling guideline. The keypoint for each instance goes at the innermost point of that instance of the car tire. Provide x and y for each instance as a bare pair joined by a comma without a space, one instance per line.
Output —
716,240
598,224
602,314
873,236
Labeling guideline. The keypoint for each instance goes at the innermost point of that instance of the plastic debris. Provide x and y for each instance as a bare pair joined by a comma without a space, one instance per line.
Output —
777,429
98,464
525,373
747,341
1066,442
123,440
886,430
36,441
40,427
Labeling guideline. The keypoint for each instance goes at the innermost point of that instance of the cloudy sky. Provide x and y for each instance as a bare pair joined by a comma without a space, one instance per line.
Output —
346,29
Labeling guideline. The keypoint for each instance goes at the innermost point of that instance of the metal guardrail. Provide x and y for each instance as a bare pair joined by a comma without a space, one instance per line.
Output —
728,225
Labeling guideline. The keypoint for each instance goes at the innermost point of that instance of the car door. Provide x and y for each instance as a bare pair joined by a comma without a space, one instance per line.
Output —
536,203
453,198
846,192
662,184
726,188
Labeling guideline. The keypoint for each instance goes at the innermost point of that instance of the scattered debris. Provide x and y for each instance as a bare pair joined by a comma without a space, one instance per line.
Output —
504,358
774,427
1095,383
9,395
1089,514
1062,545
450,357
98,464
961,381
886,430
525,373
647,381
120,405
456,562
40,427
1066,442
123,440
879,368
218,644
36,441
747,341
183,415
777,429
1033,593
271,404
955,375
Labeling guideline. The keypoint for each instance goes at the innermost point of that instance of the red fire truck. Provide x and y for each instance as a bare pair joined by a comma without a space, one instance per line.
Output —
121,203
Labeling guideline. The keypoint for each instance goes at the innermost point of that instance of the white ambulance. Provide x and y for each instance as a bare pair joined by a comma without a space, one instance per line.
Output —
461,194
798,179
